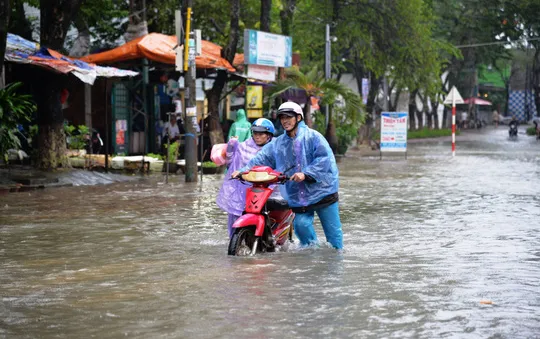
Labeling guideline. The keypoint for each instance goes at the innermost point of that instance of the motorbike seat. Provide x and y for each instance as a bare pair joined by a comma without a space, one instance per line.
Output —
277,204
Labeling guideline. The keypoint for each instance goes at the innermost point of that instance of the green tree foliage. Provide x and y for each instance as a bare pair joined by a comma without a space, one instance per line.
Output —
390,39
468,24
346,109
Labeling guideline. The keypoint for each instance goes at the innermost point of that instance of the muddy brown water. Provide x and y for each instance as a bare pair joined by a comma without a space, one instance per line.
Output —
436,247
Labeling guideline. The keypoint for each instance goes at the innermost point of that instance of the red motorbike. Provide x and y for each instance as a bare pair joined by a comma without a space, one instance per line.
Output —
267,221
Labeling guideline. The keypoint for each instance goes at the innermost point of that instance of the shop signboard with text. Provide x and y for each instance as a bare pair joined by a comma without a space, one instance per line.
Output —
394,131
267,49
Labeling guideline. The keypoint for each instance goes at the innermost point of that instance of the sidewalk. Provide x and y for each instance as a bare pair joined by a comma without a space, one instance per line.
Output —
362,151
20,178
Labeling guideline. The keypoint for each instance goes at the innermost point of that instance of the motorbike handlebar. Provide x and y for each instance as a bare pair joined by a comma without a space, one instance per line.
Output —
283,178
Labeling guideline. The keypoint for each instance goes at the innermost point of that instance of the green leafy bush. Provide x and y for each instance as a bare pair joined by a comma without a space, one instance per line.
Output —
172,151
209,164
76,137
15,108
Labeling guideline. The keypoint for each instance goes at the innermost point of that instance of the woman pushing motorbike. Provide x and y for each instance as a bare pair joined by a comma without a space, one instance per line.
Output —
232,195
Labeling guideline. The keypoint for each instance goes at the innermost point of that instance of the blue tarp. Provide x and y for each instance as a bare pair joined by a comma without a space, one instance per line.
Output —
23,51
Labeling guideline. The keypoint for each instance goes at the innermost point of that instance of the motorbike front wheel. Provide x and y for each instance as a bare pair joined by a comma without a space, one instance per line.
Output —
242,241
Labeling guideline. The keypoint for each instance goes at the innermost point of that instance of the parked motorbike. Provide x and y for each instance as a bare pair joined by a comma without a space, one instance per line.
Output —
95,144
513,131
267,222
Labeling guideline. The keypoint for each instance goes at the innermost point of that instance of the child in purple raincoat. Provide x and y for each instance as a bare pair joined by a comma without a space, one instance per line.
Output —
232,195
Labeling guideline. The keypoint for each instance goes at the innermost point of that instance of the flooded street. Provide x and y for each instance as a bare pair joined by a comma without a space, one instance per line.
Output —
435,247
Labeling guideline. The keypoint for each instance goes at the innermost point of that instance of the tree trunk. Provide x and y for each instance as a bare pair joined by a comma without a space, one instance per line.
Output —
266,6
137,26
420,113
331,132
536,80
394,104
419,118
429,120
18,23
214,94
364,132
307,113
215,130
286,16
412,109
331,136
56,16
81,45
51,137
4,23
435,115
445,117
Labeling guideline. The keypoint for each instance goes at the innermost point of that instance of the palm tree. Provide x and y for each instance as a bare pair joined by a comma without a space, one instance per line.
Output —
340,98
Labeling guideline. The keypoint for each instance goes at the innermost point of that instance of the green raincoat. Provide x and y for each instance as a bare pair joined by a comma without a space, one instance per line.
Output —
241,128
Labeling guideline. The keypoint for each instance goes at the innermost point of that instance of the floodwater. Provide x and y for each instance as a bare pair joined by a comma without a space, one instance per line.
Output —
436,247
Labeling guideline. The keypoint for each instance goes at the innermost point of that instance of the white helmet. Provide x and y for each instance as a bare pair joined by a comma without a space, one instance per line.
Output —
290,108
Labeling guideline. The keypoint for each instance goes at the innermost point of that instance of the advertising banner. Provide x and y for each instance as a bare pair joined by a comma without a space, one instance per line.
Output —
365,90
394,131
262,48
254,101
120,133
259,72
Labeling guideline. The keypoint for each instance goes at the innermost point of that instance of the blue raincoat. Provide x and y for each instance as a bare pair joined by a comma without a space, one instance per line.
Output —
308,153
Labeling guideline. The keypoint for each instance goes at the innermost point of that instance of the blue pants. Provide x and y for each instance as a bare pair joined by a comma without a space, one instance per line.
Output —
329,217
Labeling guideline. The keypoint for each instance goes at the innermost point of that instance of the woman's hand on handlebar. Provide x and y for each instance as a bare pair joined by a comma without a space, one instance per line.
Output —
235,175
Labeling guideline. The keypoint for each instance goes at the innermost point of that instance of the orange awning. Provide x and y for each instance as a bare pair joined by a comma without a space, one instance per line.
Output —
159,47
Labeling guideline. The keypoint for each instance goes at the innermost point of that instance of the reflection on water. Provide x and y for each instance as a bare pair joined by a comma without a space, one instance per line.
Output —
429,240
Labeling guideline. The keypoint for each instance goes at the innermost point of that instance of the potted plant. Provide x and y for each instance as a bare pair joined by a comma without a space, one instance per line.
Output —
155,165
209,167
172,156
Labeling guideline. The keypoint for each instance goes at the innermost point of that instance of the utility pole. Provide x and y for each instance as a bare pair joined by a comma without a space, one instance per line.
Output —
190,100
327,69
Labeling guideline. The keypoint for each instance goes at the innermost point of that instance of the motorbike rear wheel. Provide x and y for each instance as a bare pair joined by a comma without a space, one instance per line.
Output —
242,241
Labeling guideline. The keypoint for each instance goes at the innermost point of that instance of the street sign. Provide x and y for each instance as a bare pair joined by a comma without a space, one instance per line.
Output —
453,97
